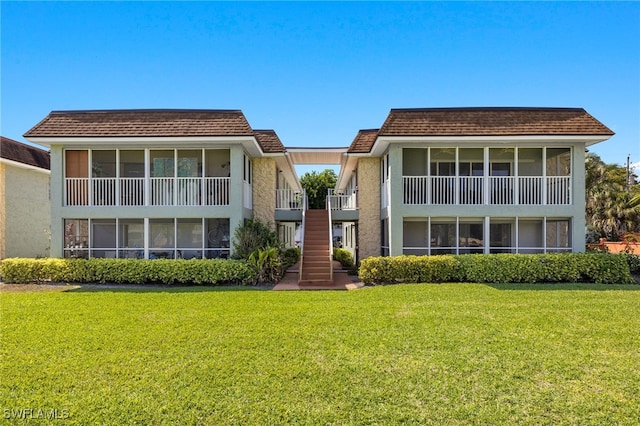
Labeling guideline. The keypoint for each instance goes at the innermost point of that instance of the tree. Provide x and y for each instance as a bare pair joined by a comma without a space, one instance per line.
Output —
610,211
316,186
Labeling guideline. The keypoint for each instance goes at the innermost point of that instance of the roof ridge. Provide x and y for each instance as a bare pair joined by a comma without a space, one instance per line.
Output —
133,110
487,108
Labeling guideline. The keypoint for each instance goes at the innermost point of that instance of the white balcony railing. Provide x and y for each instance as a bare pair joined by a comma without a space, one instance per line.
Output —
342,200
288,199
164,191
499,190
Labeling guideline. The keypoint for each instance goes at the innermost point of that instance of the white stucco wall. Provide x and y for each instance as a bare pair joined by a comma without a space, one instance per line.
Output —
27,219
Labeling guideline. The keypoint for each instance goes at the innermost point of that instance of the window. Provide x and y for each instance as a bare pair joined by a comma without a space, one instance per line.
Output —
161,239
443,237
76,238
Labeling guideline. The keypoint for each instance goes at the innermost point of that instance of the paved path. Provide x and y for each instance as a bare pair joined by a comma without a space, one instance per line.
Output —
341,280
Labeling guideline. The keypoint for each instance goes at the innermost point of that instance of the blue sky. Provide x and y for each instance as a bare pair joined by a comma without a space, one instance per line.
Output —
318,72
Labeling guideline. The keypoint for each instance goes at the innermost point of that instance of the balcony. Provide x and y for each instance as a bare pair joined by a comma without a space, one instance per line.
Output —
163,191
495,190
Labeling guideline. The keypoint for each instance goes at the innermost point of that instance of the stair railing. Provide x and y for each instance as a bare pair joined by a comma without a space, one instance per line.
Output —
305,202
330,235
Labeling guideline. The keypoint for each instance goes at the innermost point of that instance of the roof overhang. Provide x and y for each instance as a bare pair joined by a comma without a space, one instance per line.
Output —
312,156
249,143
382,142
286,166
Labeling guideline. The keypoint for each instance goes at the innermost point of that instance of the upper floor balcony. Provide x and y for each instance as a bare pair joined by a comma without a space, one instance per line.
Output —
157,191
496,190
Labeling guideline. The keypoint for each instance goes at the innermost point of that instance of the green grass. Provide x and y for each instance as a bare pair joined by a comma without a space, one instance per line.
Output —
428,354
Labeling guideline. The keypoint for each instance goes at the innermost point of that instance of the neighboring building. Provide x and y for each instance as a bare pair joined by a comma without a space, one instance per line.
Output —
24,200
176,183
157,183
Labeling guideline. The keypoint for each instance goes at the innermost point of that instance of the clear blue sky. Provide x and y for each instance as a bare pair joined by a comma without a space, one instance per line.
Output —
318,72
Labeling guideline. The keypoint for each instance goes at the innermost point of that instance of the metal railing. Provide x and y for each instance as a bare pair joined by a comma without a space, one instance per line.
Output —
341,200
497,190
163,191
288,199
305,203
329,208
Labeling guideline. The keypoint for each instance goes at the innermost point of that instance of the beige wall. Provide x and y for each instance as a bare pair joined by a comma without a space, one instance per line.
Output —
264,190
26,212
369,207
2,211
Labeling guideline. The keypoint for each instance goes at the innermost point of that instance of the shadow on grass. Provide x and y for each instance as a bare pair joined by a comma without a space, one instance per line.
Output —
158,288
566,286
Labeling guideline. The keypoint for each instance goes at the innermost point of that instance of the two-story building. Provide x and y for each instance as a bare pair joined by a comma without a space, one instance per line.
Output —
24,200
176,183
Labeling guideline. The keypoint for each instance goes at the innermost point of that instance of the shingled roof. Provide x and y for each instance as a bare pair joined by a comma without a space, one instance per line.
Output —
23,153
363,141
491,122
140,123
269,141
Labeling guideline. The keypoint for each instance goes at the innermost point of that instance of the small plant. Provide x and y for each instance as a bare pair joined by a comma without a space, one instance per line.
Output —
343,256
267,265
290,256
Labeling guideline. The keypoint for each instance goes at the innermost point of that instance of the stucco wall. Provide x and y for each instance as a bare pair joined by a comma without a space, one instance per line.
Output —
27,212
369,206
264,190
2,211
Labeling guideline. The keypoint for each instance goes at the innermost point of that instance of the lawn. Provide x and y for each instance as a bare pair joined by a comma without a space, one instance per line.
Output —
428,354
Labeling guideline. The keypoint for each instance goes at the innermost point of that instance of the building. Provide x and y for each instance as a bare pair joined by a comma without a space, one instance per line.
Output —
158,183
24,200
176,183
473,180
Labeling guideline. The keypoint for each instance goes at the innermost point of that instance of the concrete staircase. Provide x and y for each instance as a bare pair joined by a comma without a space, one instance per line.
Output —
316,260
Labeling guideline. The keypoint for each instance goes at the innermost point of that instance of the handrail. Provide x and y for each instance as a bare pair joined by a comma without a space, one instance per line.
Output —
304,213
328,205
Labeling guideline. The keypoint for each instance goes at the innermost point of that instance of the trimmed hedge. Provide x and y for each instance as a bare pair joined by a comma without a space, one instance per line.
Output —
343,256
127,271
498,268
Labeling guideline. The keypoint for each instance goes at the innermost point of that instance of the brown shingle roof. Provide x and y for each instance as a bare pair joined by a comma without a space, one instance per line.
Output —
132,123
363,141
22,153
269,141
491,121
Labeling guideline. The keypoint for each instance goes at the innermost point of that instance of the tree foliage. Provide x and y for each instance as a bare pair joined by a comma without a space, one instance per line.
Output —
611,210
316,186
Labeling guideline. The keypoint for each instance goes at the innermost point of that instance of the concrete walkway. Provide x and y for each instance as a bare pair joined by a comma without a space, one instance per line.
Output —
341,280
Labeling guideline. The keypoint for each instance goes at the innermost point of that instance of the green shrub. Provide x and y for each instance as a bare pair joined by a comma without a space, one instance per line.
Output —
127,271
498,268
267,265
343,256
252,236
290,257
633,260
409,269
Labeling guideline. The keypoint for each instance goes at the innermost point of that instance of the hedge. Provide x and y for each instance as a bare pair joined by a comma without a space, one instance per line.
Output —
498,268
127,271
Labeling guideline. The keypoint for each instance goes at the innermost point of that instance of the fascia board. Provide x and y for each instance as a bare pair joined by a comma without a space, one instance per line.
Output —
249,143
383,142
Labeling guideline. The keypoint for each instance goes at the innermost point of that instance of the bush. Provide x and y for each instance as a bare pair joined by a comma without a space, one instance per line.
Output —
633,260
409,269
498,268
253,235
290,257
127,271
267,265
343,256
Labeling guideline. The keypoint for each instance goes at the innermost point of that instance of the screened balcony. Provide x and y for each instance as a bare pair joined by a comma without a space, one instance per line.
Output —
167,178
499,176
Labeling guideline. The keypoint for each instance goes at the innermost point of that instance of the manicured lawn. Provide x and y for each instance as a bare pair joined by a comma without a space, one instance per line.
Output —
428,354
